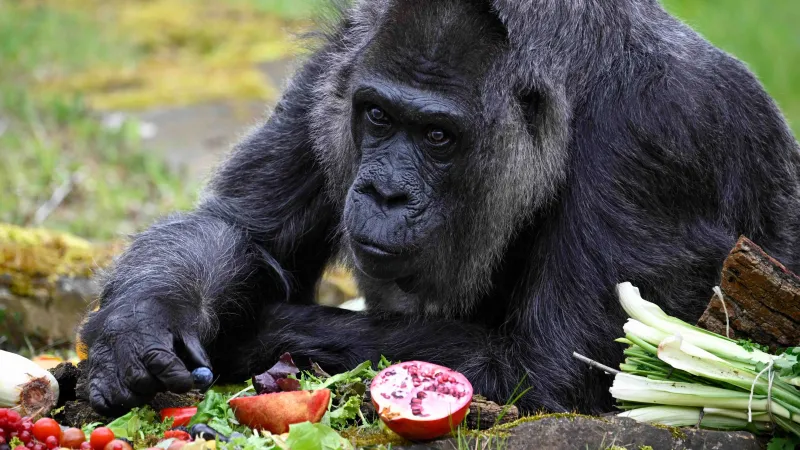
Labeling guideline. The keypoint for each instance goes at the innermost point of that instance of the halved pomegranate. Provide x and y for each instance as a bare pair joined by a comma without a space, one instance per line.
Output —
275,412
420,400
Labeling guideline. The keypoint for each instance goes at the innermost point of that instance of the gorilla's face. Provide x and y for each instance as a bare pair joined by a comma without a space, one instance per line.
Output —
410,139
416,114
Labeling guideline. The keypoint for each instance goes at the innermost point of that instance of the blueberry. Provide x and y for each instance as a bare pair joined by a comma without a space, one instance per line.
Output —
202,377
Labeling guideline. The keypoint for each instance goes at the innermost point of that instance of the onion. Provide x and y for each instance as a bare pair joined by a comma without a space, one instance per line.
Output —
26,387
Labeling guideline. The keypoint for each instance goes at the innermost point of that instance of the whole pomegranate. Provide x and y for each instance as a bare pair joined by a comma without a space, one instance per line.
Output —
420,400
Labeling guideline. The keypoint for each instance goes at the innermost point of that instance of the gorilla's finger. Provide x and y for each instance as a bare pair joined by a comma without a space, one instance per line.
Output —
140,380
196,353
106,394
169,369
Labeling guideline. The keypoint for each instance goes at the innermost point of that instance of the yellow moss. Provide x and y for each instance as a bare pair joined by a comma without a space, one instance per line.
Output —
191,52
676,432
28,254
376,436
540,416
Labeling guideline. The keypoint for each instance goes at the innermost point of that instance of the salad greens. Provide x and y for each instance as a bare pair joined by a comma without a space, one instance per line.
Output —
138,424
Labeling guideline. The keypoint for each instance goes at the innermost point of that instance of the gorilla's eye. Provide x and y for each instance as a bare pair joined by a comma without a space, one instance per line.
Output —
437,137
377,116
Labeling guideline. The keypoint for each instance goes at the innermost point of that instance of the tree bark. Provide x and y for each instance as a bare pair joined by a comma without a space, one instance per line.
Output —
762,299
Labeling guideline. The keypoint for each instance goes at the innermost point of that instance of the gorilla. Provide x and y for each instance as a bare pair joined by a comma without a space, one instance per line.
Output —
490,170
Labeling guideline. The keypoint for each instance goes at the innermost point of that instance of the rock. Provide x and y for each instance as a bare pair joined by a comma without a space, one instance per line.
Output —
484,414
567,431
46,282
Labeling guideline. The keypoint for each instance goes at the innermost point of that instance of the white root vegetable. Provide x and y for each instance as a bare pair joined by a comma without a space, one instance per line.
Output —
26,387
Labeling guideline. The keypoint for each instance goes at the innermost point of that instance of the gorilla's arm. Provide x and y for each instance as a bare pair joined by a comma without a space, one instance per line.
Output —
261,233
339,339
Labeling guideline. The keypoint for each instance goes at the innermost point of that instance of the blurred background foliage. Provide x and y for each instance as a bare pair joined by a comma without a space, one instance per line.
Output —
66,66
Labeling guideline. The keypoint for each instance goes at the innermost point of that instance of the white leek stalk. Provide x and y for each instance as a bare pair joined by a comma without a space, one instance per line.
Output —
26,387
684,416
651,315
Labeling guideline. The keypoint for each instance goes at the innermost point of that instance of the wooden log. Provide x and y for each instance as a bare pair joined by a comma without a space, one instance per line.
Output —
762,299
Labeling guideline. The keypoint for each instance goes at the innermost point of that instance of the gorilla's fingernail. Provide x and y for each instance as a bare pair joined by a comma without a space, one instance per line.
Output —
202,377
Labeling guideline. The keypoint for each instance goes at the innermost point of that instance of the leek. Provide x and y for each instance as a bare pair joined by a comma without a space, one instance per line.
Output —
678,374
26,387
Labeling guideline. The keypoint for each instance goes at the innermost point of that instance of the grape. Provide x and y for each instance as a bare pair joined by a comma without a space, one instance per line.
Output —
202,377
25,437
51,442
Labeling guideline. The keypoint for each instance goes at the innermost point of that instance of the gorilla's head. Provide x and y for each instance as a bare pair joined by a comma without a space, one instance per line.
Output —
431,149
414,111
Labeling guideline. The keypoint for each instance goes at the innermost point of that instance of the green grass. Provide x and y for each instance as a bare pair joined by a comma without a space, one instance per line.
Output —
765,34
44,140
287,9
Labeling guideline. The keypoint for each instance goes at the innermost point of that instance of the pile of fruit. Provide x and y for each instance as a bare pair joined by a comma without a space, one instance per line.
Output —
21,433
280,409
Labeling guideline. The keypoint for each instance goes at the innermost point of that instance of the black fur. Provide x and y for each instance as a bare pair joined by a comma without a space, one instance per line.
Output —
608,143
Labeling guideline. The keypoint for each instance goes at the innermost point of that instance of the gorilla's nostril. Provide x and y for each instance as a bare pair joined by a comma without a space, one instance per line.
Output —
385,197
397,200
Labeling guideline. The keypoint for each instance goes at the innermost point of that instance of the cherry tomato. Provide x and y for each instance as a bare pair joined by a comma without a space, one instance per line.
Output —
46,427
73,438
118,444
100,437
182,416
177,434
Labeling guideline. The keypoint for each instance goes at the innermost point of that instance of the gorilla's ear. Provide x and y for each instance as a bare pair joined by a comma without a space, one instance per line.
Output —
531,103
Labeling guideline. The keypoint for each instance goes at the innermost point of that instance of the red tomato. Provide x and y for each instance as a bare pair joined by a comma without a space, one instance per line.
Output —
100,437
182,416
46,427
177,434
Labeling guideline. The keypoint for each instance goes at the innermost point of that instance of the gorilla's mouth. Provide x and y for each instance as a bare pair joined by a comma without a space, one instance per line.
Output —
380,261
375,250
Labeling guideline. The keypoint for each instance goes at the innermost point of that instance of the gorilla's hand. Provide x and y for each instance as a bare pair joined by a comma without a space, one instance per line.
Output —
135,350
